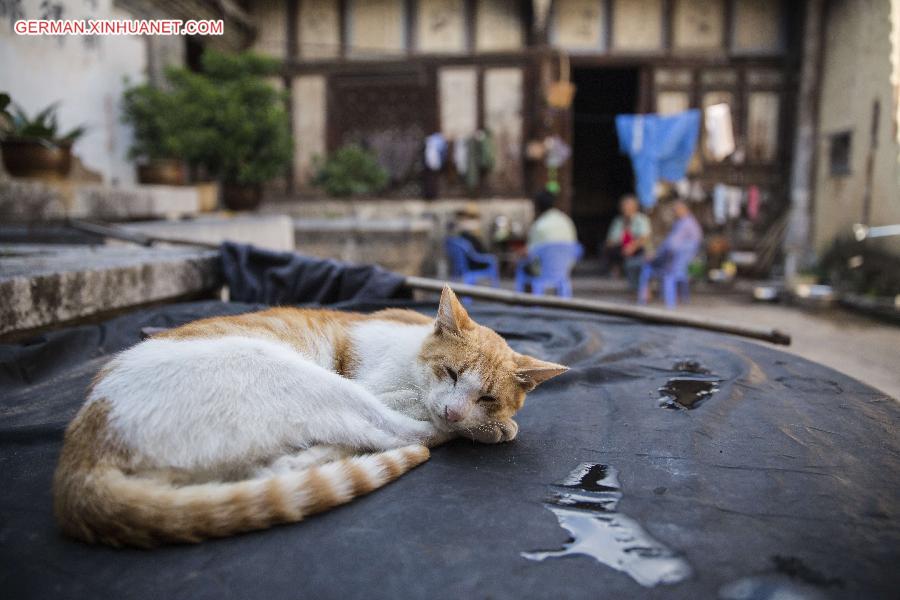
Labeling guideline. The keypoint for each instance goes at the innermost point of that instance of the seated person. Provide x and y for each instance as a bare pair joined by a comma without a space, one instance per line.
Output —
677,250
467,225
550,225
628,238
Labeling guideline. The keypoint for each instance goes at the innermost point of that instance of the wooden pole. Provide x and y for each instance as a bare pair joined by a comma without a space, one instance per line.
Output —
119,233
797,248
641,313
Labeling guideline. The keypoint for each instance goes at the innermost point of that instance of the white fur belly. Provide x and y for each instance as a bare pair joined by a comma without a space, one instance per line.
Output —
204,403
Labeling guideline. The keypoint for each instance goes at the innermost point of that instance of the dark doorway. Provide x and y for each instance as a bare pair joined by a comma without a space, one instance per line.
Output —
600,174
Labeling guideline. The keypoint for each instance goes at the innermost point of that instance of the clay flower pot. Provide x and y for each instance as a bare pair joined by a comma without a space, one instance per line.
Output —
31,157
236,196
162,171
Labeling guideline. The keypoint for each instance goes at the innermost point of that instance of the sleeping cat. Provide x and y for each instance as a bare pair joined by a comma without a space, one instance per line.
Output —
231,424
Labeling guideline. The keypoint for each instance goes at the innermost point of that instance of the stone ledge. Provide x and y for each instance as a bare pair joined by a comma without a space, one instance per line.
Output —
45,285
24,200
274,232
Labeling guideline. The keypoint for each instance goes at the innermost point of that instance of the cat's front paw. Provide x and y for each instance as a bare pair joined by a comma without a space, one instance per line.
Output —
496,432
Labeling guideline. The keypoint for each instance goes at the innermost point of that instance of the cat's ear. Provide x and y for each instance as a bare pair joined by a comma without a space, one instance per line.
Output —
531,372
451,317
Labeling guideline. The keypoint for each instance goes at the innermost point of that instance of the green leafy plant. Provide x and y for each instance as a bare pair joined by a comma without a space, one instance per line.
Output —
226,119
5,116
230,120
153,115
43,127
351,171
860,267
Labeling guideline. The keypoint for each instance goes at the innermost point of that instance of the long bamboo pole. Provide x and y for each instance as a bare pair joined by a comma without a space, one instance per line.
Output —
650,315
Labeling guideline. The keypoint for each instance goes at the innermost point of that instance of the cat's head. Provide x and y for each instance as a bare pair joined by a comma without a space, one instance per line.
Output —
476,381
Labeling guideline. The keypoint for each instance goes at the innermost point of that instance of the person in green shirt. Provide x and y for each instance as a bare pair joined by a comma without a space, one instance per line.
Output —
627,240
550,223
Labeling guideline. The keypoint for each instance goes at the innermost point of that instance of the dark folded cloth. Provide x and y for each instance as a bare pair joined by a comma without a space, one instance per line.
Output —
257,275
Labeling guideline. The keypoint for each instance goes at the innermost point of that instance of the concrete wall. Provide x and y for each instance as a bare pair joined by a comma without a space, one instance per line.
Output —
84,74
406,236
856,73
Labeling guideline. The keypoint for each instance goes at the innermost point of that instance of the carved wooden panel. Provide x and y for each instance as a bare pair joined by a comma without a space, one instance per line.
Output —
578,24
389,113
271,18
499,26
637,25
376,28
318,25
441,26
757,26
698,24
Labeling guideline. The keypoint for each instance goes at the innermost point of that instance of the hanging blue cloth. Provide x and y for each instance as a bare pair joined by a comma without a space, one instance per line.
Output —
660,148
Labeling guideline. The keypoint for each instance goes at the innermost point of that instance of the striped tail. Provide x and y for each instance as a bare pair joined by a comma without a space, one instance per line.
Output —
106,505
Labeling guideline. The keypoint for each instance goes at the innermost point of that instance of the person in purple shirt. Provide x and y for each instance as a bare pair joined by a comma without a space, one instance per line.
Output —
676,251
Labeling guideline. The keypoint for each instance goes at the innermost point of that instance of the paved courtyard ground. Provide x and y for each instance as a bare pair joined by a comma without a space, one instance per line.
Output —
863,348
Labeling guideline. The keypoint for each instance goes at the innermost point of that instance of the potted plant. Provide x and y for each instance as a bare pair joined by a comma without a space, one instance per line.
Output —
157,148
33,147
351,171
232,123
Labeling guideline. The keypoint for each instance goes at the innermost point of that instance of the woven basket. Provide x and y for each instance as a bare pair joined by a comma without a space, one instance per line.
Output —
560,93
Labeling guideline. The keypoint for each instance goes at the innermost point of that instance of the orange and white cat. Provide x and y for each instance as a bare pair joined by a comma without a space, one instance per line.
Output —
237,423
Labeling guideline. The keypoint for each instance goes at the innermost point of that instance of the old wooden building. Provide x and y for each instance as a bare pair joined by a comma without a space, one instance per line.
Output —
390,72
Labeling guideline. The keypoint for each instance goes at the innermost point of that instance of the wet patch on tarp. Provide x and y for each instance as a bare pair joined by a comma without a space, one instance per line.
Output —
694,384
585,504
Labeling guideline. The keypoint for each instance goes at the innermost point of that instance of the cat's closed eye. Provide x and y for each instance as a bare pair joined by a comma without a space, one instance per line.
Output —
487,398
451,373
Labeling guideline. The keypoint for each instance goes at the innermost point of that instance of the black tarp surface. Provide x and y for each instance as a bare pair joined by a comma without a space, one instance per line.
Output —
788,475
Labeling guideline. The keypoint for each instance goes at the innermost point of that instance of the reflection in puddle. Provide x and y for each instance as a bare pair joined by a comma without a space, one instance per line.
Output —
690,389
618,541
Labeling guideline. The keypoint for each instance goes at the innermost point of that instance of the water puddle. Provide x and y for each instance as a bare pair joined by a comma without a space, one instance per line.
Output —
688,390
585,505
792,580
768,588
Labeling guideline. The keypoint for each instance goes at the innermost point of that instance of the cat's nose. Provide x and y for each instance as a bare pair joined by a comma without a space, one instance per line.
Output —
453,415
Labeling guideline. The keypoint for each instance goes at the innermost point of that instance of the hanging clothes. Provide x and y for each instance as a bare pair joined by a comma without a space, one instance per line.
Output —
660,148
435,151
472,173
557,152
719,131
753,202
461,155
485,150
735,199
720,204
